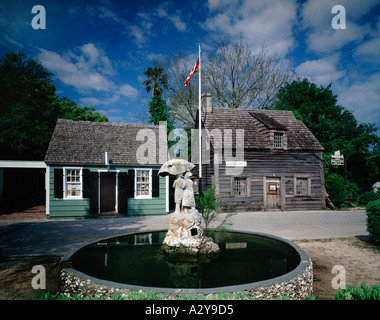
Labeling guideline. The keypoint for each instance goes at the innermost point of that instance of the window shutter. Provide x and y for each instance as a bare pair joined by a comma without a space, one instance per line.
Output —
93,192
58,183
155,184
131,183
86,183
123,193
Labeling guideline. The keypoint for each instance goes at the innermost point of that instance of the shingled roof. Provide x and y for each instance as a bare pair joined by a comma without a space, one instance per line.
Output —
258,123
85,142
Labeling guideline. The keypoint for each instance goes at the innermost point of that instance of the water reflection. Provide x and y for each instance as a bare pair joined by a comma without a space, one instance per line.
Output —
137,260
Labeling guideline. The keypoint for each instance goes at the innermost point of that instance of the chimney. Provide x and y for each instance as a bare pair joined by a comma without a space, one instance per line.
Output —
206,102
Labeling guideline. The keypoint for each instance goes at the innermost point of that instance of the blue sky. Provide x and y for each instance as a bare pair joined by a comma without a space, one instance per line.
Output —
98,50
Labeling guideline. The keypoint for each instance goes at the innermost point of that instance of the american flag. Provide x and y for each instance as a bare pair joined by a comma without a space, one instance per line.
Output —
194,70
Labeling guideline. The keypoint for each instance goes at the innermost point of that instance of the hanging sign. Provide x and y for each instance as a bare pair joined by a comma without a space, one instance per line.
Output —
337,159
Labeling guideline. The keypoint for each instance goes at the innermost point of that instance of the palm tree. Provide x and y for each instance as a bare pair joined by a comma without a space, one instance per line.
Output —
156,78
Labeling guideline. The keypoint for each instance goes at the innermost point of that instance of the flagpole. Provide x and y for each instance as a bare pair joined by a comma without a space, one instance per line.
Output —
200,122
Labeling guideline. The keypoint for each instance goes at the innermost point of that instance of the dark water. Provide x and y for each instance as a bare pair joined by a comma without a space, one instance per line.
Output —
136,260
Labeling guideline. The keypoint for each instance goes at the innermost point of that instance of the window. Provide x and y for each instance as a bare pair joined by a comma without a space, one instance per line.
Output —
143,187
73,183
277,140
302,186
143,239
240,187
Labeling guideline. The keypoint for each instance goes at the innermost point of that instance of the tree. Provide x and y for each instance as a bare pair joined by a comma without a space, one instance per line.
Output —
235,74
183,101
159,111
239,77
26,115
156,78
69,110
335,128
29,108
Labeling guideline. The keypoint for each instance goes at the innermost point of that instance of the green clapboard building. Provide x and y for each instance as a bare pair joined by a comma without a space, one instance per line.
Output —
92,170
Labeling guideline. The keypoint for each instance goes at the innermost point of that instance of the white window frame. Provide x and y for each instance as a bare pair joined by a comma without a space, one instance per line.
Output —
281,136
65,196
150,184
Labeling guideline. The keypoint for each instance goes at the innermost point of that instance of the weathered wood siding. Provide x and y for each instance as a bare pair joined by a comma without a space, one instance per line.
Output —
263,165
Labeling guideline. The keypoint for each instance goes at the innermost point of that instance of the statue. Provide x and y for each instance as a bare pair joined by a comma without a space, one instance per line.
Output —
177,185
185,225
188,200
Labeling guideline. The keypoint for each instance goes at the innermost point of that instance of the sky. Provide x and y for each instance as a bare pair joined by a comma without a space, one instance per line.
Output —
98,50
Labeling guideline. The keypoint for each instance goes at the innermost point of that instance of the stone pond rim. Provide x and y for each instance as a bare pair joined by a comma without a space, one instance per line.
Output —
297,283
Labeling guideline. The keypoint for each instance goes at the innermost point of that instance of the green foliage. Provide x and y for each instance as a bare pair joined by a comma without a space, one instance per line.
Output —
29,108
352,193
335,128
359,293
159,111
369,196
152,295
373,221
69,110
208,205
175,251
26,113
336,188
155,79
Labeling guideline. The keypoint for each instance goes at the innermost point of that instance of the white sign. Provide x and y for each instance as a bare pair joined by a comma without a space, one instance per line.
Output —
236,163
337,159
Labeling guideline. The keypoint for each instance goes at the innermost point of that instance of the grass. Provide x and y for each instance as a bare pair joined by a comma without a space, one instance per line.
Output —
363,292
151,295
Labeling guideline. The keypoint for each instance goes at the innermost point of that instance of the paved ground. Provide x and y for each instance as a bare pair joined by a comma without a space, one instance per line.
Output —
59,237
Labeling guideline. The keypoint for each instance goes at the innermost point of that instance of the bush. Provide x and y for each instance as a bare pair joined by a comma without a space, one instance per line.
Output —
373,221
336,188
359,293
352,193
369,196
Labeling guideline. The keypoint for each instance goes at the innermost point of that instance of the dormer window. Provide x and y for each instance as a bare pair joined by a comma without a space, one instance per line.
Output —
277,140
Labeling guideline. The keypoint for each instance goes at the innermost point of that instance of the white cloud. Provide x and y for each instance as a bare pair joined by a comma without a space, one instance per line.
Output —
316,20
363,98
369,51
87,70
322,71
330,40
162,11
128,91
263,22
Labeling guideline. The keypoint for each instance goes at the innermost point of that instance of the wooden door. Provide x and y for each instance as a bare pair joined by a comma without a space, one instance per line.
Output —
273,194
108,192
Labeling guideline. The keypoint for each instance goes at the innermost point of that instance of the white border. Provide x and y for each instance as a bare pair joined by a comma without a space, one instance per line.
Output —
81,183
150,184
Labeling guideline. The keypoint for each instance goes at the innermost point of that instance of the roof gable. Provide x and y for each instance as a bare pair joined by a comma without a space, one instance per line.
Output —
257,125
85,142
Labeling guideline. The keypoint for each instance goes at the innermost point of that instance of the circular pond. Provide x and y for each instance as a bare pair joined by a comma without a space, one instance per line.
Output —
135,261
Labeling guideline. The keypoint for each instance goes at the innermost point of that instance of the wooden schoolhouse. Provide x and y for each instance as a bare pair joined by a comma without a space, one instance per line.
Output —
280,165
92,170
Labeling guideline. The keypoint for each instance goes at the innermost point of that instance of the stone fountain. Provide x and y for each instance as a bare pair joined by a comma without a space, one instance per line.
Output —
185,231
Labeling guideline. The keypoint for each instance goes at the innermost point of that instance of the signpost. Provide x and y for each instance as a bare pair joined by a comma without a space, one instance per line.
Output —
337,159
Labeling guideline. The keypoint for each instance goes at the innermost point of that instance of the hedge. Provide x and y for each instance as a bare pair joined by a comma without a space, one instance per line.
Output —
373,221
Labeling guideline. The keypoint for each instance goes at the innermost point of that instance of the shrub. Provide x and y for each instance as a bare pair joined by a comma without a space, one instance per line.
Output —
336,188
352,193
373,221
359,293
369,196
